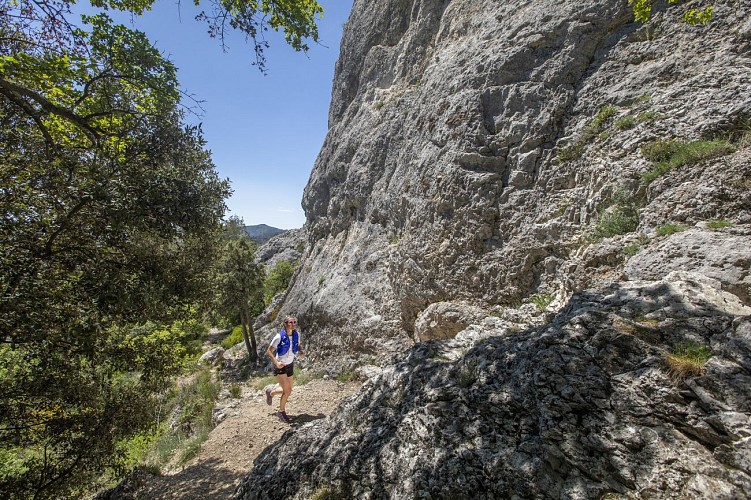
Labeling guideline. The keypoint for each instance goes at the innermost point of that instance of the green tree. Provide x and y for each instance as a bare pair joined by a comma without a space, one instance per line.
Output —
277,280
240,287
110,211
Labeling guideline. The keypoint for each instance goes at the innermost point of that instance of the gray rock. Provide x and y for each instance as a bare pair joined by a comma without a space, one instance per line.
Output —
583,406
443,320
724,256
213,357
441,178
470,161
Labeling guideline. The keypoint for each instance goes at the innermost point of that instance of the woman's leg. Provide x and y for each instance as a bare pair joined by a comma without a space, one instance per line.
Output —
286,382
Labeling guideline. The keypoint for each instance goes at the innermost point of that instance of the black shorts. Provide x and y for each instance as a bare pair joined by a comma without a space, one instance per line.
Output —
288,370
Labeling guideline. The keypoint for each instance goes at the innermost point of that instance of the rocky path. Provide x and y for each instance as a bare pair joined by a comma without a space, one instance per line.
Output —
249,427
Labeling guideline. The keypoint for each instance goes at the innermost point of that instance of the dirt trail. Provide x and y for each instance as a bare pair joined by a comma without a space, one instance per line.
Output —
250,426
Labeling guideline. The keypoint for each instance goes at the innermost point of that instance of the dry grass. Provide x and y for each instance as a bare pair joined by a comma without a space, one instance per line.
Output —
688,360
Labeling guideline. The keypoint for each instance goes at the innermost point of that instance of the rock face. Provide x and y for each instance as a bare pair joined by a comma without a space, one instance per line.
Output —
475,146
288,246
485,154
585,406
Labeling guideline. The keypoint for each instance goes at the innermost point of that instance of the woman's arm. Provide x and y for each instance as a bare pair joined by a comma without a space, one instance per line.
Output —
270,352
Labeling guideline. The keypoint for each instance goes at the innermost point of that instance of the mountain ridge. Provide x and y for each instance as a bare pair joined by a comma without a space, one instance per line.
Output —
261,233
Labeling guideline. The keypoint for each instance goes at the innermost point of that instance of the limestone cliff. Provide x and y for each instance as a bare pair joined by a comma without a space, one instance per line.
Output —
484,154
475,145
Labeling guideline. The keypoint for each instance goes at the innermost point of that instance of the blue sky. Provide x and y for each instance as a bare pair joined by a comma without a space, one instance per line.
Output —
264,131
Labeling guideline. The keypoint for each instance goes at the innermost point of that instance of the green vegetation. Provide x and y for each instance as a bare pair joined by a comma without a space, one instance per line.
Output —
669,228
111,225
192,405
626,122
234,338
621,218
235,391
687,360
277,280
238,292
718,224
378,105
647,116
591,131
541,300
327,492
673,153
631,249
643,11
349,376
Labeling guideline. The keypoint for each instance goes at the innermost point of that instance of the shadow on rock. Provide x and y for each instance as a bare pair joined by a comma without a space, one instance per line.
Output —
581,407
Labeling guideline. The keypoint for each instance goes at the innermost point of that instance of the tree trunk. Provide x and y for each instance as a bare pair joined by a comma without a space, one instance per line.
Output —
250,340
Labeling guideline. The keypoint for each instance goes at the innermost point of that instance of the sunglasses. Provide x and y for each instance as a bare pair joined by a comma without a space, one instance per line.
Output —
290,322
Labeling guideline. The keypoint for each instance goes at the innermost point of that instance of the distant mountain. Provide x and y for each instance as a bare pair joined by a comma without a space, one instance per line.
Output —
261,233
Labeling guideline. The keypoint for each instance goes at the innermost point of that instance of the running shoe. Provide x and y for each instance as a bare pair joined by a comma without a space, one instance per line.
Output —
268,397
283,417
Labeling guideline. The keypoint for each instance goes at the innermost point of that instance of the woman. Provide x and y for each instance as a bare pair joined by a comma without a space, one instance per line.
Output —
284,346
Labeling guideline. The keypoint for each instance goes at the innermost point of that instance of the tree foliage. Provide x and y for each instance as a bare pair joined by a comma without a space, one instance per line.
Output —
643,11
109,216
277,280
240,286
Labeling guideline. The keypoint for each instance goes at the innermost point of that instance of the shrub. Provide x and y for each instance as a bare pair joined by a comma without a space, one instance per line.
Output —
234,338
670,154
621,218
235,391
631,249
688,359
326,492
192,403
277,280
541,300
669,228
625,123
718,224
647,116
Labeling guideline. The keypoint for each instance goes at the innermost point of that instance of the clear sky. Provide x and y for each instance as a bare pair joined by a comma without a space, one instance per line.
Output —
264,132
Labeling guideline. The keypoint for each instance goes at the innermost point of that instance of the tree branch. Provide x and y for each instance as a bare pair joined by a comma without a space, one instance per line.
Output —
8,89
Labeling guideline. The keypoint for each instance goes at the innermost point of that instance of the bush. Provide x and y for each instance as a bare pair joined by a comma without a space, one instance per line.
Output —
277,280
541,300
234,338
192,403
235,391
670,154
621,218
688,359
631,249
625,123
349,376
